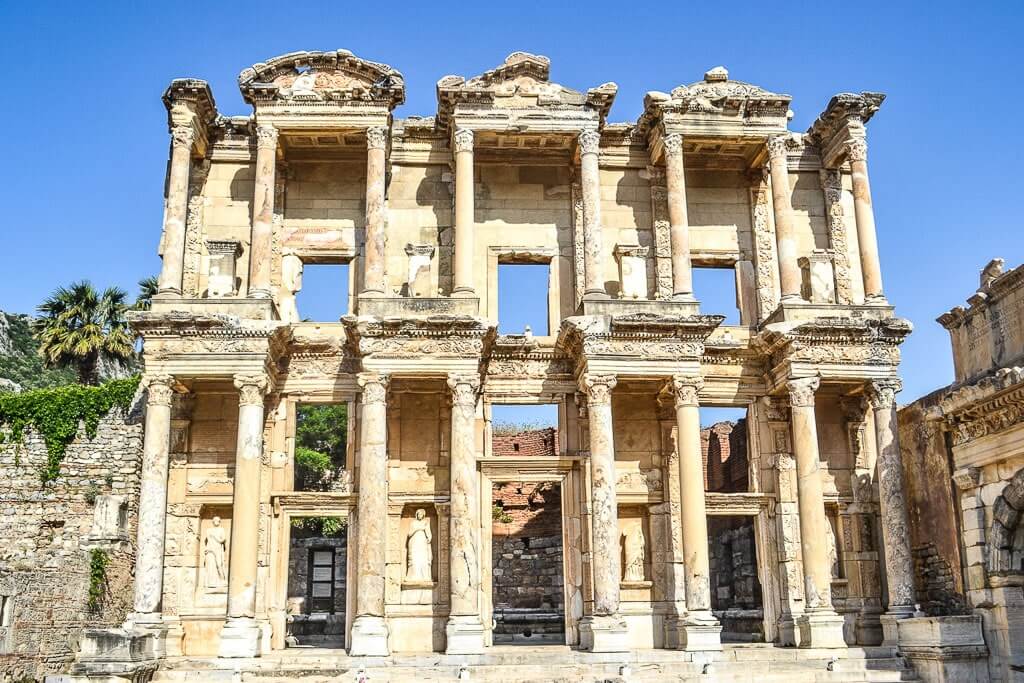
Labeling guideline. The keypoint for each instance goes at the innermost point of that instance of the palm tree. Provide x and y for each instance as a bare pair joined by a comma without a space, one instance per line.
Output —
147,288
79,328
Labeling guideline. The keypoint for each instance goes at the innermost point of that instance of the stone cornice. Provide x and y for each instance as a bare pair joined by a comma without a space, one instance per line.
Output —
841,341
995,284
190,103
643,334
438,336
842,124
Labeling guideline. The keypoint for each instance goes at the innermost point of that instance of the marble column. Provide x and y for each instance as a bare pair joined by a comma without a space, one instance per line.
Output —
867,239
369,628
465,630
373,269
604,630
149,562
593,250
465,216
899,564
700,628
679,230
241,635
819,626
176,212
789,269
262,213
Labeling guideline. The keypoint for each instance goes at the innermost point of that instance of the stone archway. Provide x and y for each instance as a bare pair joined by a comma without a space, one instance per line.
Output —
1006,535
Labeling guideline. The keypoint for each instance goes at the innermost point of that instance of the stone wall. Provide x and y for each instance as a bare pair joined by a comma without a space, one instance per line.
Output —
724,449
735,589
316,627
536,442
47,533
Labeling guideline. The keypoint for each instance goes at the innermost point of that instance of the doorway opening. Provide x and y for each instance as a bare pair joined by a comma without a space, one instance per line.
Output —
323,292
715,288
723,437
735,587
317,582
523,297
527,587
321,444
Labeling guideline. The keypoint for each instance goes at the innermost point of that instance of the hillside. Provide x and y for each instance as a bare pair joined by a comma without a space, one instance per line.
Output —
20,363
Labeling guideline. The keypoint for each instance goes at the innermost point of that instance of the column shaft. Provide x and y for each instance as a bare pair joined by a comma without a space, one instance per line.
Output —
374,267
593,250
176,212
679,231
867,238
465,221
789,269
149,563
262,212
604,513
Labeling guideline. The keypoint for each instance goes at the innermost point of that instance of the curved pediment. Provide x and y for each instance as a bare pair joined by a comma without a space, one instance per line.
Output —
337,76
717,93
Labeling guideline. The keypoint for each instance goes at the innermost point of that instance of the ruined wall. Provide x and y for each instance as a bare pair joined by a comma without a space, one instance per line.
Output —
320,628
45,542
538,442
724,452
527,546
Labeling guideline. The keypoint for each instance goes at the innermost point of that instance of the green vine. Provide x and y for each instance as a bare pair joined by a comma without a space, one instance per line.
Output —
98,563
56,413
498,514
321,526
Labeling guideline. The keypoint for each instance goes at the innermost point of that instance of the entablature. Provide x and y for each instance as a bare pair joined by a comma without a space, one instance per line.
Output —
189,103
842,123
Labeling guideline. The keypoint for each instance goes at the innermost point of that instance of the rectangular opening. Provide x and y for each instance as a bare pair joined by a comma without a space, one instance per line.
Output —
524,430
715,288
723,437
523,297
736,597
317,582
323,294
321,440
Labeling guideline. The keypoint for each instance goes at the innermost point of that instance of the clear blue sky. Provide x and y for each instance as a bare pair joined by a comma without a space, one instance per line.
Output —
84,138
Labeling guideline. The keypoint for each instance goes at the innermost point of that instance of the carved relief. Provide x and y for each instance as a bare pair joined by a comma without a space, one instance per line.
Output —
764,248
831,184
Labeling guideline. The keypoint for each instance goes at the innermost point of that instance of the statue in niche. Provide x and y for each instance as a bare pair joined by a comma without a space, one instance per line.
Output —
634,547
291,284
420,555
215,576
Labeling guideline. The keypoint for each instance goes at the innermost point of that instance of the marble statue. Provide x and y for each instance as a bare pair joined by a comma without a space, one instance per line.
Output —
214,568
420,555
634,547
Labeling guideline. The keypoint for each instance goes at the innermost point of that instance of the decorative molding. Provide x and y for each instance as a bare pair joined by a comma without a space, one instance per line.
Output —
183,137
598,388
673,144
374,386
778,148
376,137
251,389
857,149
160,390
589,141
463,140
881,393
764,247
464,389
832,185
686,388
266,137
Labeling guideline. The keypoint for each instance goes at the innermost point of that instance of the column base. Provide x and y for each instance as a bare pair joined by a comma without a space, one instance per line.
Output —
240,637
686,297
700,631
464,293
369,637
604,634
128,653
890,628
599,295
789,633
822,629
465,636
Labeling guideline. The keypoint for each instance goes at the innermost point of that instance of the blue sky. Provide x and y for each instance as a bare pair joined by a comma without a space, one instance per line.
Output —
84,137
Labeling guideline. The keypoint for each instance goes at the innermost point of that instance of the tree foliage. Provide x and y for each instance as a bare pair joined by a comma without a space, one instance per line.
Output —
23,364
323,427
148,287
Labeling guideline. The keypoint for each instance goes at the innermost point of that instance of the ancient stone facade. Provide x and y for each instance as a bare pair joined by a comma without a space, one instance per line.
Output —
515,168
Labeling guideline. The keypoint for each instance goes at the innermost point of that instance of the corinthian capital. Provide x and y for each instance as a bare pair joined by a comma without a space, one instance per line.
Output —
464,389
598,388
159,390
266,137
801,391
463,140
685,388
374,386
881,393
778,146
183,136
673,144
376,137
857,149
251,389
590,141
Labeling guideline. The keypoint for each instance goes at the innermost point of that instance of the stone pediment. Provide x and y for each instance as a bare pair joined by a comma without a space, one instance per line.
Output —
843,109
520,82
337,76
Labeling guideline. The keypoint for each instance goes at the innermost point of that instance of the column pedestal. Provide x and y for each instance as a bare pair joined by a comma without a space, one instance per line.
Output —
465,635
821,629
240,637
604,633
369,637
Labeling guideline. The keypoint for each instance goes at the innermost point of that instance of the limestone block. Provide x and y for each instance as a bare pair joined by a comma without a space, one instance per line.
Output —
110,518
632,260
418,280
221,280
819,277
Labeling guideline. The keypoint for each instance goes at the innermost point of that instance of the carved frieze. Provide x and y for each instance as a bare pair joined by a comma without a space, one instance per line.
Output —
839,341
831,184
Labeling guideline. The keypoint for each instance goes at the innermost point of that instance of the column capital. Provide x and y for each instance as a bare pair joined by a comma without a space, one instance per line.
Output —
778,146
160,390
673,144
801,391
376,137
266,137
251,389
589,141
374,386
881,393
854,407
598,388
685,388
857,149
463,140
183,136
464,388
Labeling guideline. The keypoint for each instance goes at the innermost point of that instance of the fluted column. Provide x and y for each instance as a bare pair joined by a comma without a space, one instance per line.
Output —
465,630
867,239
369,628
789,268
603,630
679,231
465,221
899,565
819,626
262,212
373,268
701,628
590,181
240,635
149,562
176,211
